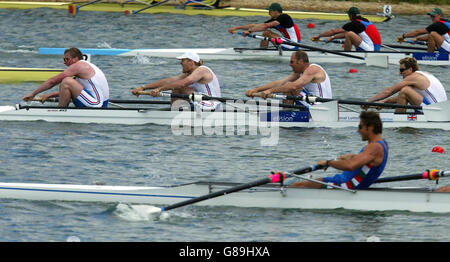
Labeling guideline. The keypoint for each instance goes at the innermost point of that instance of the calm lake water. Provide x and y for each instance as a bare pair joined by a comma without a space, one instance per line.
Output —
40,152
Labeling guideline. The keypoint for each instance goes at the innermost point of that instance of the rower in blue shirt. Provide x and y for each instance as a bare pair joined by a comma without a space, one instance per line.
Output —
362,169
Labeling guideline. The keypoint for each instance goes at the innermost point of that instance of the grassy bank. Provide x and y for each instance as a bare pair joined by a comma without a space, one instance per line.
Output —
408,7
368,7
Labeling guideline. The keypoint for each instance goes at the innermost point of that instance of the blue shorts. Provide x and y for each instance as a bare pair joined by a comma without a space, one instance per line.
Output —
89,99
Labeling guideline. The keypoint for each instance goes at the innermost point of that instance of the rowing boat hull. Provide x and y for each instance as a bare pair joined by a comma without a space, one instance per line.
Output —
229,11
437,59
17,75
326,115
413,200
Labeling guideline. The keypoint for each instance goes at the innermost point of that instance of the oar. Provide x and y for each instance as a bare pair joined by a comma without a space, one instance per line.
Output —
380,61
340,41
313,99
412,42
117,101
408,47
432,174
273,178
73,9
200,97
145,8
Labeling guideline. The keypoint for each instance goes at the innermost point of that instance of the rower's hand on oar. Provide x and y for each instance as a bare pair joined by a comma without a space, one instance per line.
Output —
251,93
365,107
322,163
400,39
155,92
28,97
137,90
43,98
328,39
266,94
245,33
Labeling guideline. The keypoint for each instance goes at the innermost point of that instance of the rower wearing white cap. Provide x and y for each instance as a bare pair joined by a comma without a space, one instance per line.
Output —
195,78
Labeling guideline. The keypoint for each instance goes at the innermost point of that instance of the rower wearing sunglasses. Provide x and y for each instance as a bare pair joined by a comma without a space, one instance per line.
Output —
417,87
82,82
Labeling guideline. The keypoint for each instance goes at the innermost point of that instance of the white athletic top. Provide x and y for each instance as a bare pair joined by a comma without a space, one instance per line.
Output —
435,92
211,89
96,87
322,89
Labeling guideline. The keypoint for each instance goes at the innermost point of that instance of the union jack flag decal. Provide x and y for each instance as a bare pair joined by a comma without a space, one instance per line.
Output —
412,117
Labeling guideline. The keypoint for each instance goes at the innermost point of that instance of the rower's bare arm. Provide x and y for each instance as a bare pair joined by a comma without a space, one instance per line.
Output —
339,35
312,74
421,38
390,91
264,26
157,84
346,156
290,78
241,27
51,82
330,32
370,155
414,33
251,92
199,75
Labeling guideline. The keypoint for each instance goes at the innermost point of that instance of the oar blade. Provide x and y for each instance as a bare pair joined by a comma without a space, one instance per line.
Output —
437,112
377,60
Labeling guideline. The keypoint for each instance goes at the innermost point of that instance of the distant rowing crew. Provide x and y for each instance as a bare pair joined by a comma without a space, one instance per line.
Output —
359,32
90,87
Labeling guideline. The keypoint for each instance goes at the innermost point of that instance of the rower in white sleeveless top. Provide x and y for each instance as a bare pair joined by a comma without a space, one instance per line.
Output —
195,78
306,79
417,88
89,88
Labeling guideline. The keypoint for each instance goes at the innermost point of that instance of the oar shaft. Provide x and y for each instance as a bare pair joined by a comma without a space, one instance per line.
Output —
200,97
312,99
219,193
282,41
432,174
89,3
150,102
416,42
273,178
407,47
150,6
399,178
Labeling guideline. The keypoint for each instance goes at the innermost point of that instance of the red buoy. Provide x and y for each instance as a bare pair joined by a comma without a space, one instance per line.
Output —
311,25
438,149
353,70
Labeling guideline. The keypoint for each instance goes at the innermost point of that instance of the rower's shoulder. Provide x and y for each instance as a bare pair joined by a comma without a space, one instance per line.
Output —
377,145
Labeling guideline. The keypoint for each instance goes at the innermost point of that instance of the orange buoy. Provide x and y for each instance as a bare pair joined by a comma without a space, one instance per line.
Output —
73,9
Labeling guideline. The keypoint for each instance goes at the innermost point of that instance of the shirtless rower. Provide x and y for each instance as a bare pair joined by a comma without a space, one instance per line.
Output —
417,88
82,82
305,79
362,169
195,77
